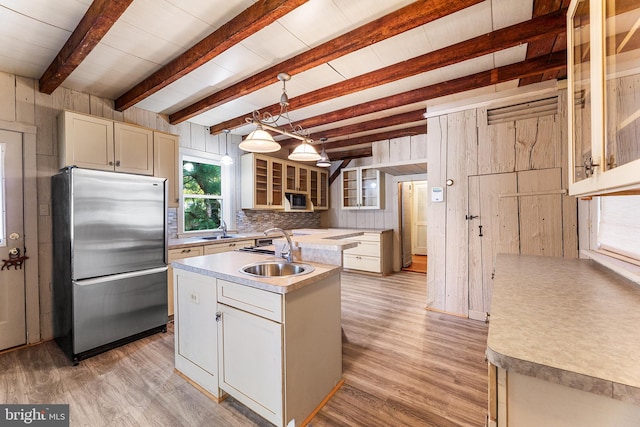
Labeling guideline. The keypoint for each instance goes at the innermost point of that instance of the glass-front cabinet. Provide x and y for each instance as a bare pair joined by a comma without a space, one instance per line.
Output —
604,96
297,178
319,190
262,182
362,188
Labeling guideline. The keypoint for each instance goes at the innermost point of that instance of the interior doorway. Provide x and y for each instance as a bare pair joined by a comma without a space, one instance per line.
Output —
413,224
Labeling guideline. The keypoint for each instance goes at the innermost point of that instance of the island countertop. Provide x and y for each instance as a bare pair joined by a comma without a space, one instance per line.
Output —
570,322
226,265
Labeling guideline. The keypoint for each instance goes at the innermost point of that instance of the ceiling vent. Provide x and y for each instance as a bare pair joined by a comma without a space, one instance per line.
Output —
526,110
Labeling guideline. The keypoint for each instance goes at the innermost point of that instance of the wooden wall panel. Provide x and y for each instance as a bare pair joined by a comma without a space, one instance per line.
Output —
437,212
8,97
418,147
496,145
25,100
541,215
461,162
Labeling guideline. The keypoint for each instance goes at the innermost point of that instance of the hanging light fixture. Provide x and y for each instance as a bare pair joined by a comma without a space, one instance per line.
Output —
323,161
226,159
261,141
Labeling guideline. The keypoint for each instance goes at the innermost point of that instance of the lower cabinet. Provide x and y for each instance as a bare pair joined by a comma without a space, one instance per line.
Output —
175,254
371,253
282,370
196,341
228,246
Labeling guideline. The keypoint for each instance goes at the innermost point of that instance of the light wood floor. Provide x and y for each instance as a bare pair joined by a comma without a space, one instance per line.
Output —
403,366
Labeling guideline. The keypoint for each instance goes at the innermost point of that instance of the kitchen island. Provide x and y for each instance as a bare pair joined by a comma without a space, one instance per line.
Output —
563,344
273,343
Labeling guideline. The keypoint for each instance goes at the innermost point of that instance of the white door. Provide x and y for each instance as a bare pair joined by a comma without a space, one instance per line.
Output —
419,238
12,286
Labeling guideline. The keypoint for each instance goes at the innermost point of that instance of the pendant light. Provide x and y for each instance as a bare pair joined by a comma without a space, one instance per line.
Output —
261,141
226,159
323,161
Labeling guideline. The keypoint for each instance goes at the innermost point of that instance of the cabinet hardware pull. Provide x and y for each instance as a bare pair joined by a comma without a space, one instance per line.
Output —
480,227
469,217
218,316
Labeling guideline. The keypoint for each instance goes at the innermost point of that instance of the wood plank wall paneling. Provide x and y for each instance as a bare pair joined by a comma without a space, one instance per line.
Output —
514,157
21,102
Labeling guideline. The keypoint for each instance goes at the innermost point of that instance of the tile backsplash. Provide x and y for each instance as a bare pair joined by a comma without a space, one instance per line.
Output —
256,221
248,221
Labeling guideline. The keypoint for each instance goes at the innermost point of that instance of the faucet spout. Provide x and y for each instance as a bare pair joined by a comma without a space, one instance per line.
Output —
287,255
223,227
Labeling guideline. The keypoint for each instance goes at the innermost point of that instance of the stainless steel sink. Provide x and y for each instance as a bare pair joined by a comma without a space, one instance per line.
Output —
276,269
228,236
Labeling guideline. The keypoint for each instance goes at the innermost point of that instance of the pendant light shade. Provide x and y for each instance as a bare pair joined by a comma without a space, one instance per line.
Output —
259,141
226,159
323,161
304,153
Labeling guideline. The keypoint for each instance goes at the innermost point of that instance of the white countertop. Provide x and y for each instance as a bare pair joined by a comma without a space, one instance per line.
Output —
226,265
567,321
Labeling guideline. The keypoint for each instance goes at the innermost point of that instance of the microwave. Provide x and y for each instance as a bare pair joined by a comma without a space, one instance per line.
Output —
297,201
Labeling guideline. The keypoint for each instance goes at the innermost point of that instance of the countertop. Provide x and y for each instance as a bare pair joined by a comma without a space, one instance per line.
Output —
226,265
312,238
570,322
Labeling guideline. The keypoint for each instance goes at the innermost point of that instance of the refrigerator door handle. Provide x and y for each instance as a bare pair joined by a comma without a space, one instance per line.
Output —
102,279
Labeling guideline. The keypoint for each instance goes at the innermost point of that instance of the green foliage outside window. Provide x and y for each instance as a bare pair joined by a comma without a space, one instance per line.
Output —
202,193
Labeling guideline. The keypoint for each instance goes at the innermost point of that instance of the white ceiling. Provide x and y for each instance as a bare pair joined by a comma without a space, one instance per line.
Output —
152,32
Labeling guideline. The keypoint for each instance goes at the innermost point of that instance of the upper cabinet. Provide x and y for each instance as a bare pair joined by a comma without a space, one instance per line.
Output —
362,188
97,143
319,189
165,164
266,180
604,101
297,178
262,182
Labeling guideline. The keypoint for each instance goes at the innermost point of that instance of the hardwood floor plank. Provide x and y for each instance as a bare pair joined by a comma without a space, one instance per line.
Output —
403,366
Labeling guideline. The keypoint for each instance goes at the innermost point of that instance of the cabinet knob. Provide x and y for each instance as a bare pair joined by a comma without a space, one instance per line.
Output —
110,163
218,316
117,162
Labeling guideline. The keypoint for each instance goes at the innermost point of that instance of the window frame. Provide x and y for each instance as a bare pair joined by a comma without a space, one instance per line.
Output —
225,190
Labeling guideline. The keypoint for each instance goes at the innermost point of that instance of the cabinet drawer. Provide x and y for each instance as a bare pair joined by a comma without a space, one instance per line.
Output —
175,254
364,263
227,246
262,303
365,248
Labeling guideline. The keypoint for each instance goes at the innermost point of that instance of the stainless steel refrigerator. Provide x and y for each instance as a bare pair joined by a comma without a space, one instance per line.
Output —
109,259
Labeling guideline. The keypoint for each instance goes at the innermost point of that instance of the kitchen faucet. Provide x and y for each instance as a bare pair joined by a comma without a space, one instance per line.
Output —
287,255
223,227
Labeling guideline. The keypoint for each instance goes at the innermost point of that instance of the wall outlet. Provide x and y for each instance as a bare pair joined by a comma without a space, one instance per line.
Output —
195,298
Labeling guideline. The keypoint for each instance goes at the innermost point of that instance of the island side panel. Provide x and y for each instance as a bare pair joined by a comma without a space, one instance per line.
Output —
313,343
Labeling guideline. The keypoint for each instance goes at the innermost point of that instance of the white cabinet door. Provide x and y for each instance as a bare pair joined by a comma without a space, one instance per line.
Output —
85,141
133,148
250,361
196,346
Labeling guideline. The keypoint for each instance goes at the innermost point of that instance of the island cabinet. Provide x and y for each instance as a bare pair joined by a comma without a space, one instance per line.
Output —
262,182
603,104
195,330
280,354
362,188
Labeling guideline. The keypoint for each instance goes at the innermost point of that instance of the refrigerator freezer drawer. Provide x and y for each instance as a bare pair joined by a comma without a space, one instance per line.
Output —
115,307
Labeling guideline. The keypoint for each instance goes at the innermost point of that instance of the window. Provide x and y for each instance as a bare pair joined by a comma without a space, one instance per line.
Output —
202,193
619,227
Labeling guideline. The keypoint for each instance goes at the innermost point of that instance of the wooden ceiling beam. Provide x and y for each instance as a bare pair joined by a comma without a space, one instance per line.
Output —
346,156
504,38
384,122
95,23
547,64
336,173
380,136
412,16
247,23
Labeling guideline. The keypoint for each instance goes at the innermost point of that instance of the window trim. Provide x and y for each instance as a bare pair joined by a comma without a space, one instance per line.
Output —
226,175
